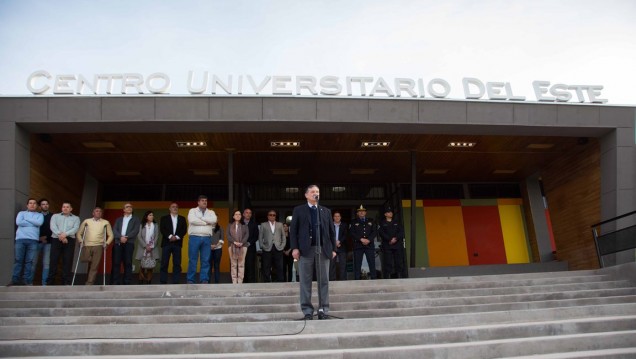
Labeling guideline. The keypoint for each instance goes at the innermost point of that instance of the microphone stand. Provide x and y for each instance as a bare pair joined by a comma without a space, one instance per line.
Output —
318,264
318,259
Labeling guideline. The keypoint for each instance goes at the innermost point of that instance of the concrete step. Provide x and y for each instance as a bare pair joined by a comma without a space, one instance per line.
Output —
293,338
592,313
164,327
352,291
286,311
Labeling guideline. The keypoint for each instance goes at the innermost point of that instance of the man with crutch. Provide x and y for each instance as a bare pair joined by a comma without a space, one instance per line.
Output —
95,234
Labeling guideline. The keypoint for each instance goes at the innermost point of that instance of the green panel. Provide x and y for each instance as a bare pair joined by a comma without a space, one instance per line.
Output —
421,256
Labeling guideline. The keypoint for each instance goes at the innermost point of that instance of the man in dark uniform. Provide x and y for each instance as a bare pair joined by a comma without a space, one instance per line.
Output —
392,236
362,233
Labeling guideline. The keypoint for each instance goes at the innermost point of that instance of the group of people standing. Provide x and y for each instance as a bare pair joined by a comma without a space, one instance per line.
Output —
54,236
315,239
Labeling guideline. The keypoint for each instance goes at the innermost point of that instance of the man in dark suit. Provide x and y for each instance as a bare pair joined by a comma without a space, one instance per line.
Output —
250,257
173,228
339,262
125,230
312,228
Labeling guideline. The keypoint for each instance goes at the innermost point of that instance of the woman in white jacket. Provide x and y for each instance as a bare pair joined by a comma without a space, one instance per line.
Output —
147,247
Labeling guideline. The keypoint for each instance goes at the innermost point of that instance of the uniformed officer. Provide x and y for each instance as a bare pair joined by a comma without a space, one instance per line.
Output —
363,231
392,236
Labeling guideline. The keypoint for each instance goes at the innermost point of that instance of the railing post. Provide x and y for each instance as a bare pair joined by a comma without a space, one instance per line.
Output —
598,251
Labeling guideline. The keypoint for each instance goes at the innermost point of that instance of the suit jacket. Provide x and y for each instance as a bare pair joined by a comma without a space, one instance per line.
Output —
267,239
252,236
342,237
243,234
165,227
300,228
132,230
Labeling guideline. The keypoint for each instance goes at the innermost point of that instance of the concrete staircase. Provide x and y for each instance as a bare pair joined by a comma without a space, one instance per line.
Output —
581,314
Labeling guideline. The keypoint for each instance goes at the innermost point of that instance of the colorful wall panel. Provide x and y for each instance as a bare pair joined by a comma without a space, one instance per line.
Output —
445,233
484,238
469,232
421,246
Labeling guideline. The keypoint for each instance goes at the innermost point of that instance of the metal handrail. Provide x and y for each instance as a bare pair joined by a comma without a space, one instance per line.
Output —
613,219
596,236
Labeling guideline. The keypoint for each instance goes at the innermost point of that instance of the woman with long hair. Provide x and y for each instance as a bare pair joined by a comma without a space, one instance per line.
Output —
237,234
147,248
217,251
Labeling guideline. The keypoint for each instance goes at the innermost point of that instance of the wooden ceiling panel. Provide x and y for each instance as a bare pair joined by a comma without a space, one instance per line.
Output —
321,157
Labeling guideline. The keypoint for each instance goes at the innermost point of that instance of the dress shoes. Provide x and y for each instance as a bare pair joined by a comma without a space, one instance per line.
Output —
309,317
322,315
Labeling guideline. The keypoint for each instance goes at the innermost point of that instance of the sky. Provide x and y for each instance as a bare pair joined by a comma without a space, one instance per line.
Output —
572,42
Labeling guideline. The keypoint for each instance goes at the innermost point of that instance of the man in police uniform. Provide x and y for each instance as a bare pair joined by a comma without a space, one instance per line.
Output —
392,236
362,231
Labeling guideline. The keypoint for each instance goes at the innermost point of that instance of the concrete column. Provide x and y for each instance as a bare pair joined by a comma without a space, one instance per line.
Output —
413,253
89,201
618,182
230,181
537,210
14,188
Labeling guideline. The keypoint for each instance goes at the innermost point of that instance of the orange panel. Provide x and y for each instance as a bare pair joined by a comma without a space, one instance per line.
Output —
445,236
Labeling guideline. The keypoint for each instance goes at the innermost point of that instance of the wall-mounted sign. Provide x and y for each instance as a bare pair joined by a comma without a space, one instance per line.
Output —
41,83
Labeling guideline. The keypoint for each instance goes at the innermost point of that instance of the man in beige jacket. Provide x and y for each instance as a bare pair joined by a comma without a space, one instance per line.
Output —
91,236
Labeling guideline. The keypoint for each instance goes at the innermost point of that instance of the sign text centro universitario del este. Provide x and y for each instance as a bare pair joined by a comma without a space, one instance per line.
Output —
203,83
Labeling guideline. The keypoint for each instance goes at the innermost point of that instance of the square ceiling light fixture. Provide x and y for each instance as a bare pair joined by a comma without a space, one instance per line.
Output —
287,144
375,144
192,144
462,144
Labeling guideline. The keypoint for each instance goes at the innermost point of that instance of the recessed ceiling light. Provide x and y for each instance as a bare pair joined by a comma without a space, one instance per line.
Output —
98,144
374,144
191,144
338,189
284,143
462,144
291,189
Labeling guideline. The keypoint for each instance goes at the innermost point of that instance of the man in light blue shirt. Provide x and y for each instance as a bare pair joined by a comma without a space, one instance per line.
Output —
27,237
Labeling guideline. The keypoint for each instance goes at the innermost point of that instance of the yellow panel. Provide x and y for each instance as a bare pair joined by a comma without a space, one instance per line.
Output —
512,227
406,203
445,236
509,201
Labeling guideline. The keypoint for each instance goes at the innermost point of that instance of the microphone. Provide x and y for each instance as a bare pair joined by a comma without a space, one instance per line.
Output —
316,197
